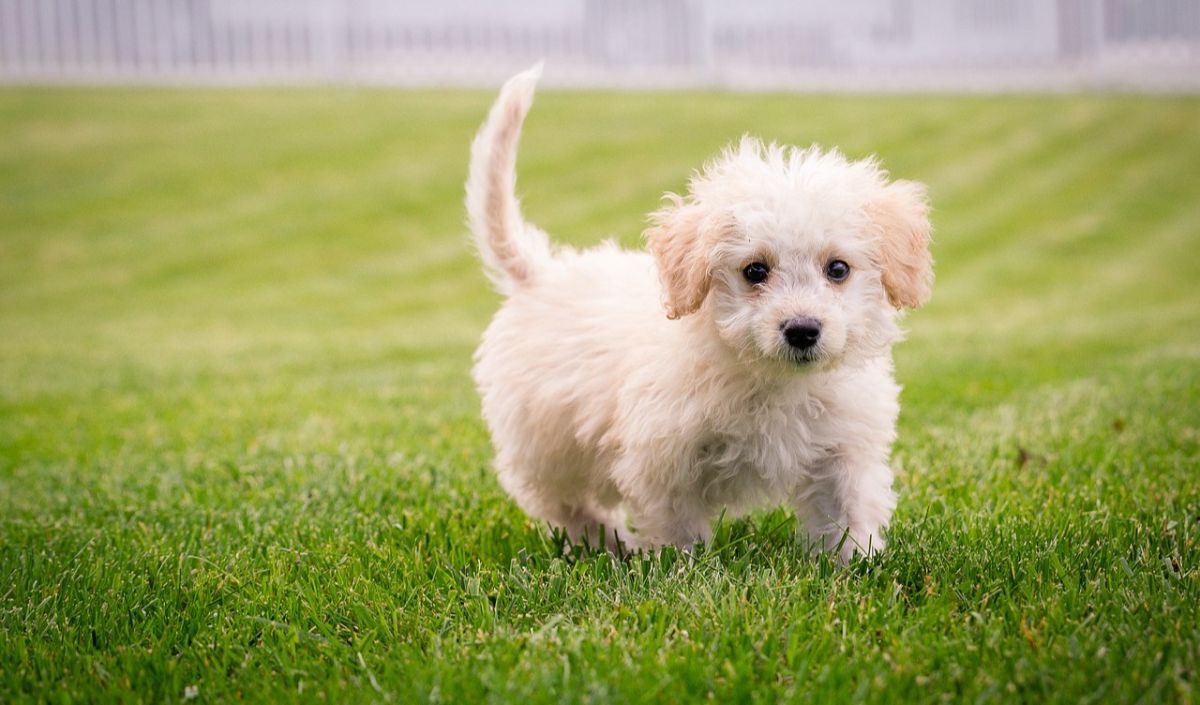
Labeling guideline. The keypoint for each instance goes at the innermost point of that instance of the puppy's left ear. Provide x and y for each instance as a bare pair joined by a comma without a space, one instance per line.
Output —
900,215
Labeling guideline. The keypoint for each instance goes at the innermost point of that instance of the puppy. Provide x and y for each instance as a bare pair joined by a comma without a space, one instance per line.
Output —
744,360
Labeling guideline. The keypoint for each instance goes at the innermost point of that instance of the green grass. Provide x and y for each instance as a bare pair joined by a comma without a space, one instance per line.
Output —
241,456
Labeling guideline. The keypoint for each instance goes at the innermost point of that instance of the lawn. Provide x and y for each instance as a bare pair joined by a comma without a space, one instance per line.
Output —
241,456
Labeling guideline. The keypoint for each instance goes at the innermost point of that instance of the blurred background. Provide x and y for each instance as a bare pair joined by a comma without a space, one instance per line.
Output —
951,45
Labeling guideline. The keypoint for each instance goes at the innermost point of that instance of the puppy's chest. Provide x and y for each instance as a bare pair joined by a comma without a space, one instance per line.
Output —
765,448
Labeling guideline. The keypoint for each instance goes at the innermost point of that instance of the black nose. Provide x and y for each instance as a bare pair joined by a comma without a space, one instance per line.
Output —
802,333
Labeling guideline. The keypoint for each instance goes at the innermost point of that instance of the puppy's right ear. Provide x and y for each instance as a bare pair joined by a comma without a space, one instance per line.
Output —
675,240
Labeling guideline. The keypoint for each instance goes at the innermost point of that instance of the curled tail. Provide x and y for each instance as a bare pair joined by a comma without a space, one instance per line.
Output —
512,250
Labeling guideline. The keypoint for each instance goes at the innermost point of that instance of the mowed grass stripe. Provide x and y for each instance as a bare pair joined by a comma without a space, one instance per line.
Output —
1010,137
1072,162
279,217
563,142
1119,261
1029,174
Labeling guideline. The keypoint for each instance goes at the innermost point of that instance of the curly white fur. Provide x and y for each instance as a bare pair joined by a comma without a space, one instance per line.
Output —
605,412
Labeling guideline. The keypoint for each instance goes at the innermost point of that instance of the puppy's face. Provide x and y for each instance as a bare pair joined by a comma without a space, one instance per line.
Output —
798,257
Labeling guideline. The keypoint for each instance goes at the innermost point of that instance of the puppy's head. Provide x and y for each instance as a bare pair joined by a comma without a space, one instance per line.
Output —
800,256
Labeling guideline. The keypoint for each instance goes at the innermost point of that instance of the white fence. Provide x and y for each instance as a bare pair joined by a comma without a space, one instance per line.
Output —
858,44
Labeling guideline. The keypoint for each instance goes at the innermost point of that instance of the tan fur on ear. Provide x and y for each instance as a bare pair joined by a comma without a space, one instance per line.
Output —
901,215
677,241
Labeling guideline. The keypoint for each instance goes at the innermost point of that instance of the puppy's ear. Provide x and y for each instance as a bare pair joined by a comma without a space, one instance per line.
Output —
676,239
901,217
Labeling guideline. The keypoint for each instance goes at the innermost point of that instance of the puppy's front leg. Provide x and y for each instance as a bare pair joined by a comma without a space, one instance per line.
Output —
663,508
847,503
664,521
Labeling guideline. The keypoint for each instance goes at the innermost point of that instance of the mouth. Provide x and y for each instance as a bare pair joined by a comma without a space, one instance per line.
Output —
803,358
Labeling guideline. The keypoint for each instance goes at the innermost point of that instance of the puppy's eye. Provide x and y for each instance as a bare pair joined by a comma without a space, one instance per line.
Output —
756,272
837,270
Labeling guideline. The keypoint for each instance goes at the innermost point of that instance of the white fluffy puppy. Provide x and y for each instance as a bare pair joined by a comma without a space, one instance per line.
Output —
767,379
